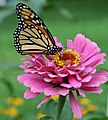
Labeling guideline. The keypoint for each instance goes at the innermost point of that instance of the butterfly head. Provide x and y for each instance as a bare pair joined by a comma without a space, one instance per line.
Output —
52,50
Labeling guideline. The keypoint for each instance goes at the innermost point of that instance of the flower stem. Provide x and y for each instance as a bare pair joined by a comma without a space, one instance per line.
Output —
61,103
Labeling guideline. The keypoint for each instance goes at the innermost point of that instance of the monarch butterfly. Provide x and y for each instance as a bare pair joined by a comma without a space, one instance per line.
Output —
32,36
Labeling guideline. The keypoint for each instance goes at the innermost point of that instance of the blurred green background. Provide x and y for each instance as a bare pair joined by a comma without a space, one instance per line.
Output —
64,18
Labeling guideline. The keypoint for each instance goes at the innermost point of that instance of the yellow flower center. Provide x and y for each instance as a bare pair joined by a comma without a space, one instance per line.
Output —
68,57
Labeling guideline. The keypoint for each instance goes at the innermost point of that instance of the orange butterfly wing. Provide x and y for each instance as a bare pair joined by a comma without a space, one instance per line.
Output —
31,35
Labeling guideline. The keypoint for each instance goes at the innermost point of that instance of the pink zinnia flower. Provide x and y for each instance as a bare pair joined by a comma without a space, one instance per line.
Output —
74,69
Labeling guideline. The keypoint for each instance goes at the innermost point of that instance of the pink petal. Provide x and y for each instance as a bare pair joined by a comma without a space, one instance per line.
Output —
51,91
48,57
80,68
47,79
79,43
38,56
28,94
74,82
96,63
22,66
51,64
54,80
30,70
92,89
44,68
62,72
41,60
25,59
52,76
90,50
62,75
78,76
63,91
81,93
65,85
31,55
71,72
57,80
93,59
102,72
88,69
34,81
87,78
96,80
39,86
24,77
38,64
91,45
55,91
58,43
43,101
30,63
44,74
75,106
69,44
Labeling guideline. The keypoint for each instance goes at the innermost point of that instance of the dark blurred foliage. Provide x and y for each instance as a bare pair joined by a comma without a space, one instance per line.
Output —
7,7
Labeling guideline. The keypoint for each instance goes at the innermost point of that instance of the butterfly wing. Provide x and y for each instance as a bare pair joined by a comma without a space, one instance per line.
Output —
27,40
31,35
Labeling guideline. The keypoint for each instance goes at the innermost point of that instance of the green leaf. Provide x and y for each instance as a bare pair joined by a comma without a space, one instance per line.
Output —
36,5
50,109
67,113
46,118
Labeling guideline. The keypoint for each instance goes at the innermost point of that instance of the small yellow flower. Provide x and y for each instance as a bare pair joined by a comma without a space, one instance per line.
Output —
84,111
92,107
15,101
84,101
11,111
55,97
40,115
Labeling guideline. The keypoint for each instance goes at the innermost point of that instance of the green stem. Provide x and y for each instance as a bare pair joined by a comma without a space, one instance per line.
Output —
61,103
